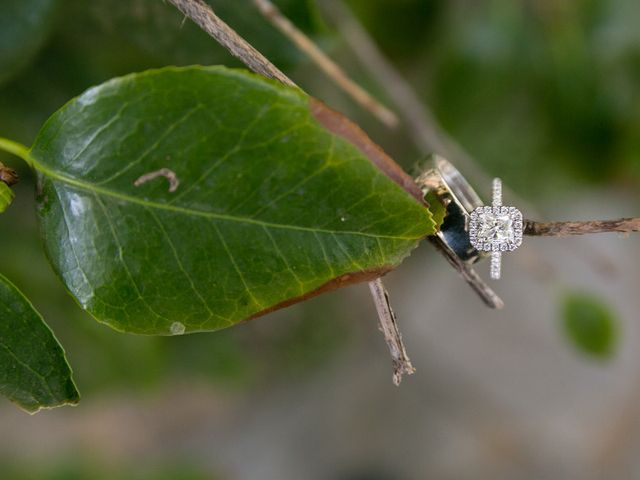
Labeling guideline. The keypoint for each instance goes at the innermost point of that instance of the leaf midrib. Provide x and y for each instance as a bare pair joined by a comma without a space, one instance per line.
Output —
55,175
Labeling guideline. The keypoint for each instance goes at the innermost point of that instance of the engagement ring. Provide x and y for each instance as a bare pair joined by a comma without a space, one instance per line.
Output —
495,229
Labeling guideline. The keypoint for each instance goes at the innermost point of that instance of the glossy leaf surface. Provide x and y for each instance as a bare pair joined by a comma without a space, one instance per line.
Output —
24,25
33,370
269,207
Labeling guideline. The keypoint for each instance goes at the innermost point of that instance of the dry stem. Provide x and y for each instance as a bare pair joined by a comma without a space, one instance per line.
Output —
563,229
207,20
389,328
328,66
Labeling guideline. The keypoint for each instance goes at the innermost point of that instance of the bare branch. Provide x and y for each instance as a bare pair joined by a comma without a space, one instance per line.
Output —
469,275
563,229
389,328
328,66
207,20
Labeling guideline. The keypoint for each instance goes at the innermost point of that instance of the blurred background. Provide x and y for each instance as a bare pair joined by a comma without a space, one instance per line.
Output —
544,93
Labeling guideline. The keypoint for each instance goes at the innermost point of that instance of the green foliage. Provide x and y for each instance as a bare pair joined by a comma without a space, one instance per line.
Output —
437,209
270,208
24,25
33,370
590,324
6,196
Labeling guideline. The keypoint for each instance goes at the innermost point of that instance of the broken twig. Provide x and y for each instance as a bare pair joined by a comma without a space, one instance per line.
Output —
389,328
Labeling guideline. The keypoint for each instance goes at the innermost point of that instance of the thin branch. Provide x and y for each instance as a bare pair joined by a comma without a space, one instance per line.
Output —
468,274
563,229
326,64
207,20
389,328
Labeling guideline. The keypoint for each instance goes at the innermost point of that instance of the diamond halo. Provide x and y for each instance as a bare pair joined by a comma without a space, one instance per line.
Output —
496,228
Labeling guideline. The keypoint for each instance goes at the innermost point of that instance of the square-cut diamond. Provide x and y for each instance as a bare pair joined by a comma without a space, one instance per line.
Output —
495,228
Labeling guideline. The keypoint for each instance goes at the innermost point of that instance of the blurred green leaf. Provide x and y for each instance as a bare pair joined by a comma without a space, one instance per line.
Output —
33,370
6,196
590,324
24,25
271,206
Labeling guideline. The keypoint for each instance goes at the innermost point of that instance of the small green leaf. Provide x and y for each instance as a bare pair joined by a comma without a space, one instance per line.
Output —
24,25
34,372
590,324
437,209
189,199
6,196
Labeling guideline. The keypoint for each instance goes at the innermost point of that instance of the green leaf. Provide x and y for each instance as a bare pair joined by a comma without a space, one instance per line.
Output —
437,209
271,206
590,324
34,372
6,196
24,25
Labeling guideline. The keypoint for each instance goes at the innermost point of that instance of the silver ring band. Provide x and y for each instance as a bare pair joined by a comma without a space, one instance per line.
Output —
459,199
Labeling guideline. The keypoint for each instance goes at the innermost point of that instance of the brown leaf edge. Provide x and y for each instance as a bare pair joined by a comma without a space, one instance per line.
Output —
333,284
339,125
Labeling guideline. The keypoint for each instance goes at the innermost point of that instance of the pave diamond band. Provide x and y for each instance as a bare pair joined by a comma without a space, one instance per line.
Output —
496,229
497,192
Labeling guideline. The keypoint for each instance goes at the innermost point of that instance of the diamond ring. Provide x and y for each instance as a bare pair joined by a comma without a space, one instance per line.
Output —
495,229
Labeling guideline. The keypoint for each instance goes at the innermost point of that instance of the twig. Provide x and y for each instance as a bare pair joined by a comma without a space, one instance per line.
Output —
469,275
205,18
563,229
389,328
328,66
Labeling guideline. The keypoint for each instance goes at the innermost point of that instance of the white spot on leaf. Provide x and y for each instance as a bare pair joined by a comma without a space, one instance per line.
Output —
177,328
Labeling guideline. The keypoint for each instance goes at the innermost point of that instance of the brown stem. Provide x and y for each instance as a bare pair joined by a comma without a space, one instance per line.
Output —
203,15
326,64
389,328
563,229
468,274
